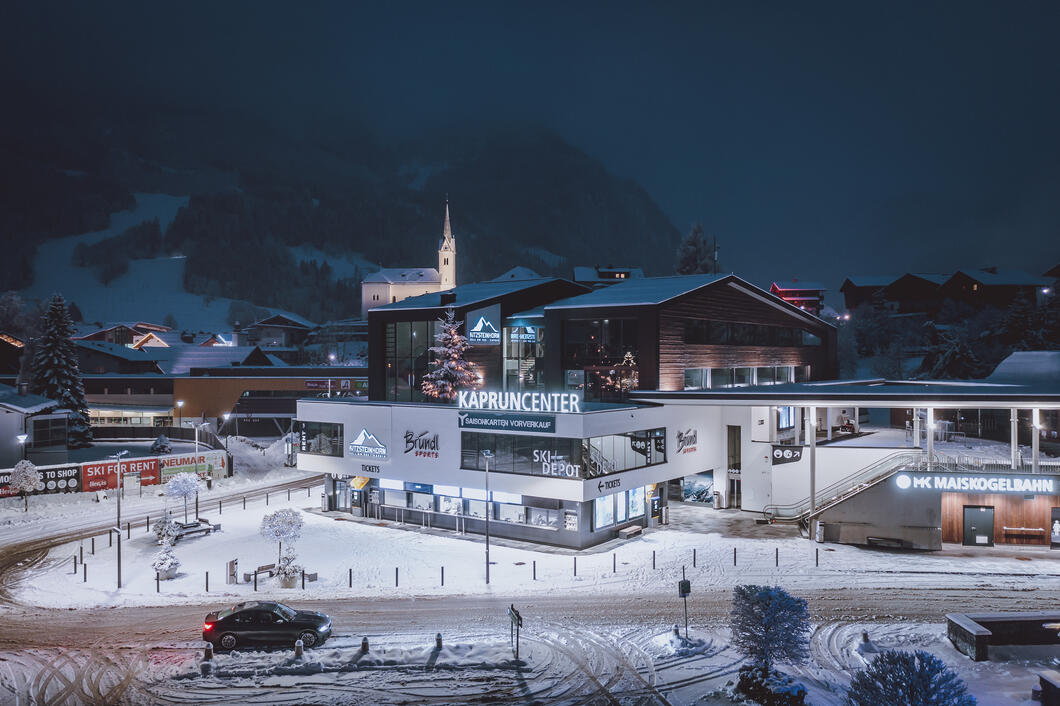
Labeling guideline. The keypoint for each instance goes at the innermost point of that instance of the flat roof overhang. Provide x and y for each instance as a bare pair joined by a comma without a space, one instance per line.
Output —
869,393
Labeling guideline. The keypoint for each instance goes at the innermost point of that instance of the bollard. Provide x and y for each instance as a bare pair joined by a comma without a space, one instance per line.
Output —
207,654
110,539
218,507
244,502
158,584
653,558
81,550
677,630
364,644
288,494
307,492
255,580
395,577
817,556
734,556
266,498
303,579
84,569
351,578
147,524
443,576
438,640
75,565
207,581
128,531
778,556
575,566
93,546
298,648
535,569
693,557
614,563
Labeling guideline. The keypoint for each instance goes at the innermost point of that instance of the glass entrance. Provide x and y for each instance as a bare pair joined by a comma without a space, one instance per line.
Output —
342,495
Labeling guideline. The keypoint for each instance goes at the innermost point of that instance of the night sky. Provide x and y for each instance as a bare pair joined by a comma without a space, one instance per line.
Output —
816,140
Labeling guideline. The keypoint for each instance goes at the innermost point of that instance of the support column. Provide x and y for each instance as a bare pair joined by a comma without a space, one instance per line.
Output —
857,422
798,426
930,419
1036,418
812,432
828,421
916,428
1013,421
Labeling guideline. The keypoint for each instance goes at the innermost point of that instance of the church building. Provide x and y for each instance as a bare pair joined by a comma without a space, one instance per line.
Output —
394,284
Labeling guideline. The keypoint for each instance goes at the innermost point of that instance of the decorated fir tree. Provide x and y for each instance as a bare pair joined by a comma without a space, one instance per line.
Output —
56,374
451,371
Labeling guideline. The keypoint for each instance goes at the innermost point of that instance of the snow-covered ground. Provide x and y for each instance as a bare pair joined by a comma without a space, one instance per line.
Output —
332,546
887,437
148,291
252,469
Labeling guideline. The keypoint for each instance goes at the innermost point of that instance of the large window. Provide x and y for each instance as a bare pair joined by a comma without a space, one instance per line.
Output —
407,358
524,358
721,378
636,502
527,455
724,333
49,431
320,438
589,342
785,418
615,453
604,512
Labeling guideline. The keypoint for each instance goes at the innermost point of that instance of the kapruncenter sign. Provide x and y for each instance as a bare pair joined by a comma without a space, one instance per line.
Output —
976,484
563,402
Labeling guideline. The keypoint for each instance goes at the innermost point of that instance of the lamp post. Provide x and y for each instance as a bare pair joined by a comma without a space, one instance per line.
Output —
180,413
117,528
22,444
226,415
487,454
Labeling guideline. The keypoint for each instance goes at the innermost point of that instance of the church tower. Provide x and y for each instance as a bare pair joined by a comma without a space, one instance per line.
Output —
447,255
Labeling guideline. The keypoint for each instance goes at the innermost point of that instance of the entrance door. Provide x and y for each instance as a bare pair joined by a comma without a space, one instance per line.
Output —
978,526
733,454
342,496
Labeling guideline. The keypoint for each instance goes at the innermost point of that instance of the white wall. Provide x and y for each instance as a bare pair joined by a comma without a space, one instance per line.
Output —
10,449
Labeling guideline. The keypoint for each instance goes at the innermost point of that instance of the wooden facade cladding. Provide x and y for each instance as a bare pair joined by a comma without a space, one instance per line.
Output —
1009,511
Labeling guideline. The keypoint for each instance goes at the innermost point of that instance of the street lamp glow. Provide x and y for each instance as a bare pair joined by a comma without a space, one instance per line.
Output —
22,438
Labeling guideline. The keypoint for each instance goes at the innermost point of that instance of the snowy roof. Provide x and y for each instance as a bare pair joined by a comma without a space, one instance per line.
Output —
1028,367
26,404
871,280
1004,278
1053,272
175,338
398,275
638,292
286,319
181,359
531,317
517,273
83,330
115,349
794,285
595,273
465,294
932,277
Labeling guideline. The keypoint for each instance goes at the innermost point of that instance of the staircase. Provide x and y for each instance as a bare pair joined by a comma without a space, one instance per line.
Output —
853,484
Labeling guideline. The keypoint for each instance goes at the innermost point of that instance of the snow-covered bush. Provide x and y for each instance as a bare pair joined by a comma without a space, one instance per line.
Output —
25,478
286,568
162,445
908,679
769,624
183,485
165,560
282,526
769,688
165,529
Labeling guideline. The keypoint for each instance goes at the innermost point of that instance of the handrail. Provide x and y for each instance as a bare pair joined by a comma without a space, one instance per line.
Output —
855,481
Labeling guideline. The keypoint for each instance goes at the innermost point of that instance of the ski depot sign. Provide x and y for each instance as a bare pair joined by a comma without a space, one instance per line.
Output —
562,402
956,483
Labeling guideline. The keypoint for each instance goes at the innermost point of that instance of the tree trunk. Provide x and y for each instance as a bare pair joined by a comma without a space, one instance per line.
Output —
279,553
185,509
25,498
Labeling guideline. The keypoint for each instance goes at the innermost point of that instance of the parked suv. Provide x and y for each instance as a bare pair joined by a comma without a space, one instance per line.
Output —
264,623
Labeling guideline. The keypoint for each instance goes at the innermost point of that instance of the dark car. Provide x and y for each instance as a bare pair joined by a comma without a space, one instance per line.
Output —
263,623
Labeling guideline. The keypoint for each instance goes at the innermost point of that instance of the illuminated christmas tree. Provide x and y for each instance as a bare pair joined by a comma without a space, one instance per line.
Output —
450,372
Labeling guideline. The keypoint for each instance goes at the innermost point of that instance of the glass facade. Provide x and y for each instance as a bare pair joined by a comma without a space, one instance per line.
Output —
600,357
563,458
743,376
406,345
725,333
524,358
320,438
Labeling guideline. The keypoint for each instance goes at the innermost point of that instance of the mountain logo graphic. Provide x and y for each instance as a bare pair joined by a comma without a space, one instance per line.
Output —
483,326
367,445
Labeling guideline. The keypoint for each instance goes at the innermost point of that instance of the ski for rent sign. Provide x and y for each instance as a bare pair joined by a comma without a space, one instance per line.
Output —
104,476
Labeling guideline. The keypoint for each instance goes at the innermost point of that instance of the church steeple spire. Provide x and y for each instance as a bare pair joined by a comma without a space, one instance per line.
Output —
447,254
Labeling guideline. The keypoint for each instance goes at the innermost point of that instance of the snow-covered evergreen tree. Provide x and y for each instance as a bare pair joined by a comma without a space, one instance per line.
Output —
286,567
694,254
25,478
281,526
769,624
162,445
56,374
165,529
165,560
451,371
183,485
901,678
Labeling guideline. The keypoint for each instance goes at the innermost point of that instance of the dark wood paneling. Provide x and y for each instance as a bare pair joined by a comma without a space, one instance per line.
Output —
1009,511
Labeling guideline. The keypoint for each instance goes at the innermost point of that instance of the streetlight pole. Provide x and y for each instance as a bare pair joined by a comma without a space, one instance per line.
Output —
22,444
226,415
117,528
487,454
180,413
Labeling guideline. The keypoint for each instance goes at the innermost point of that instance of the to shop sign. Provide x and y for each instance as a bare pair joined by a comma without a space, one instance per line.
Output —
61,479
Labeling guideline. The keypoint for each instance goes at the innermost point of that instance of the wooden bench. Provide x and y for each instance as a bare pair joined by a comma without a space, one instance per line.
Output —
631,531
1050,681
189,529
267,569
973,633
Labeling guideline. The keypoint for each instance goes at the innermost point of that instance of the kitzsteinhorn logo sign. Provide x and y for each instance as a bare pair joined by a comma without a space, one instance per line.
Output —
484,332
367,445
